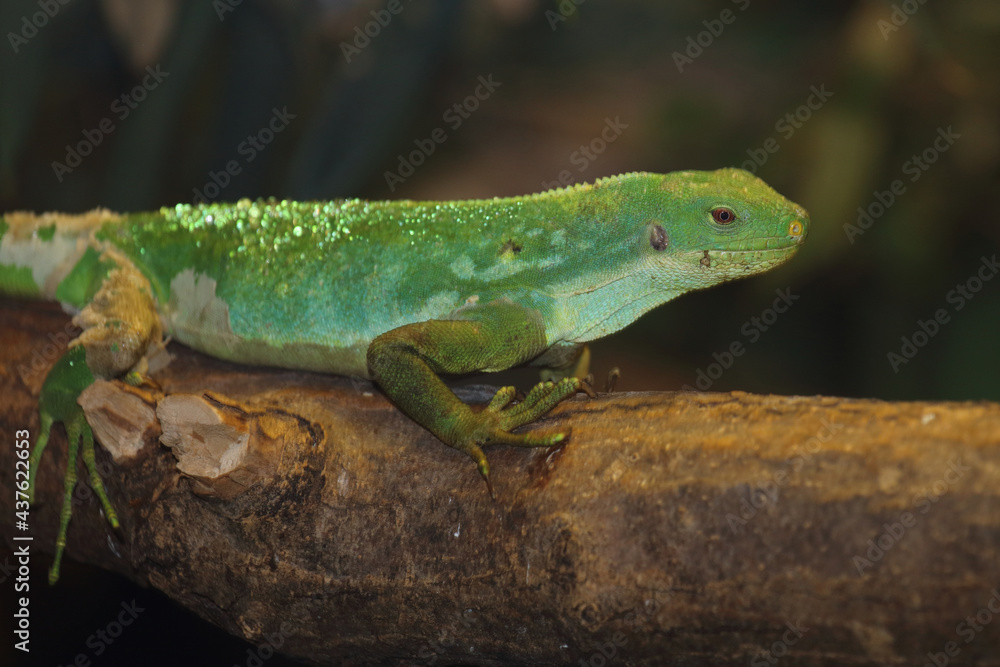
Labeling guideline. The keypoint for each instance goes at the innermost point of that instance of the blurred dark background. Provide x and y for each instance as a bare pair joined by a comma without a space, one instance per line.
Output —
880,118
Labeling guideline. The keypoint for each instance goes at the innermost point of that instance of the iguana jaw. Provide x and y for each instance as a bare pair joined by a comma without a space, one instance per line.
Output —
728,264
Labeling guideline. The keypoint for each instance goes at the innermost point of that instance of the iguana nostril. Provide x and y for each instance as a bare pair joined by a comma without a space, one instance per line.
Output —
796,229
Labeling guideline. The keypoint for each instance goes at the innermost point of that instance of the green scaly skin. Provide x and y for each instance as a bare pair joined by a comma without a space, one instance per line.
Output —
400,292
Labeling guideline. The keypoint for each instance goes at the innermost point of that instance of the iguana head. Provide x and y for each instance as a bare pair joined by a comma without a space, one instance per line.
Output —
648,238
721,225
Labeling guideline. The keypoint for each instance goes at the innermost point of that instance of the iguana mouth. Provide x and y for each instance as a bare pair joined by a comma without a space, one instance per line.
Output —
779,251
753,261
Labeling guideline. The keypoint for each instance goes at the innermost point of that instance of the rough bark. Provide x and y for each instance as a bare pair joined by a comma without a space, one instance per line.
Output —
673,528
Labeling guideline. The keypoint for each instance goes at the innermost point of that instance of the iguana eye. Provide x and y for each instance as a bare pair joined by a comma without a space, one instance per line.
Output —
723,215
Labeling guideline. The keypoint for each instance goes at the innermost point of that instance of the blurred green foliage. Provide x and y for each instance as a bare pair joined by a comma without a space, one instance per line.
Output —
693,85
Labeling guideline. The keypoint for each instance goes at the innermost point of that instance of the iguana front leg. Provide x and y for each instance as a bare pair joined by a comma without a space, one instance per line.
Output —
406,362
120,324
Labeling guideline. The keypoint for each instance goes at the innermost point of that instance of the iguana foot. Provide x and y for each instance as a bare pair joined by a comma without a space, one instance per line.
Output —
57,403
492,425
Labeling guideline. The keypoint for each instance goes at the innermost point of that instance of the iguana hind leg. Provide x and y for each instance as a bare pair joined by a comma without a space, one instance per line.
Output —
57,403
120,324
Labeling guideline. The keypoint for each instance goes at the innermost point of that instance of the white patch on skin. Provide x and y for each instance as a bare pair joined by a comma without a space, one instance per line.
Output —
194,310
49,261
509,263
198,318
439,306
551,262
506,266
463,267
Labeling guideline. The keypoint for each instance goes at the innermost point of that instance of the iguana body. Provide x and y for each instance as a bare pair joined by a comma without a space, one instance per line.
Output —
398,292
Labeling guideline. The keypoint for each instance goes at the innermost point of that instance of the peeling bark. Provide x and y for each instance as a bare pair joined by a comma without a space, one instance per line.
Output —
678,528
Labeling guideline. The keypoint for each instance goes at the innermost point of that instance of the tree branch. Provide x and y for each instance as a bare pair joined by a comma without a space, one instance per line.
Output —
685,527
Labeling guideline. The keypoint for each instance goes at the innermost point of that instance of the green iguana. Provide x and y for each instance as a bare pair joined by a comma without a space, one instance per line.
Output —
400,292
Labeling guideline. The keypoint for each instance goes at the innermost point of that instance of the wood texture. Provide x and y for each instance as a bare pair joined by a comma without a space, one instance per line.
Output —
673,528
